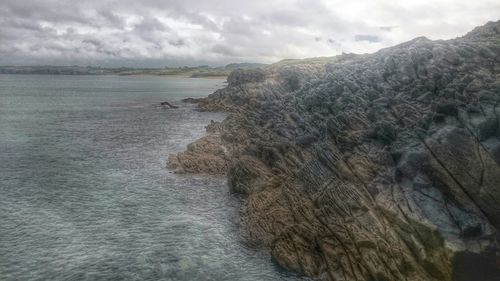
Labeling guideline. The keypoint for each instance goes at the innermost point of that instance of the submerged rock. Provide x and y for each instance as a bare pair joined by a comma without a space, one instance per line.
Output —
166,104
368,167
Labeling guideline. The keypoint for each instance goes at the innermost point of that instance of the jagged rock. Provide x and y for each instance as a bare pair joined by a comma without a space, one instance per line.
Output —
192,100
369,167
166,104
242,76
206,155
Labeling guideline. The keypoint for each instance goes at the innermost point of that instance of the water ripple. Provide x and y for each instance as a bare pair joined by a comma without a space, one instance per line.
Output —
84,191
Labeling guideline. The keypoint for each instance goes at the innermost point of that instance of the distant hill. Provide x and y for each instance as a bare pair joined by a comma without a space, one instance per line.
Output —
193,72
245,65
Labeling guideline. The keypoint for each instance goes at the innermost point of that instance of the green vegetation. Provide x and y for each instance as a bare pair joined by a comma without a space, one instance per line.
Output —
185,71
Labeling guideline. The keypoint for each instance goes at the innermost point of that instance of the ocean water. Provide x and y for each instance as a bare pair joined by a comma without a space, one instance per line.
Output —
85,195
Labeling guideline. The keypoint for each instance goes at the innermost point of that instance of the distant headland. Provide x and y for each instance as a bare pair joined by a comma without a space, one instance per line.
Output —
202,71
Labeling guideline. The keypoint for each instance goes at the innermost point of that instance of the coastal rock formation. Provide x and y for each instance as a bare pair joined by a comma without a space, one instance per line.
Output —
207,156
383,166
166,104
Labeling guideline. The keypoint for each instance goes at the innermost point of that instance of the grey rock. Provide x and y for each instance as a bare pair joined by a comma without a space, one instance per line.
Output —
372,167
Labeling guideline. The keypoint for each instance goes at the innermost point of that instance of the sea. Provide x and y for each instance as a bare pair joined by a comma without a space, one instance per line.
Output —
85,193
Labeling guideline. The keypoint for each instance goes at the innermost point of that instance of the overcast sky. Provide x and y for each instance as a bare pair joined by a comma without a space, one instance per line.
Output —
161,33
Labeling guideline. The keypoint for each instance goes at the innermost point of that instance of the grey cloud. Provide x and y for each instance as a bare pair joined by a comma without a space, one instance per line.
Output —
387,28
150,24
112,18
177,43
192,32
223,50
336,45
367,38
95,43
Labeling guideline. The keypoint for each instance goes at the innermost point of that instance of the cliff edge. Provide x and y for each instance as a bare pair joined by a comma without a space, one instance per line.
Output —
383,166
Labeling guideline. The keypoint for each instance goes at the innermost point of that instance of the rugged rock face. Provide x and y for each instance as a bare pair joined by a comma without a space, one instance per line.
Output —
205,156
368,167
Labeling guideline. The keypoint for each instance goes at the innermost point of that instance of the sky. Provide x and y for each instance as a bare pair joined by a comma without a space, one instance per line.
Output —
160,33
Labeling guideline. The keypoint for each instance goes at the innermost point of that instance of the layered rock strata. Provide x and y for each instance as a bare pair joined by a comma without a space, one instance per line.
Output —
383,166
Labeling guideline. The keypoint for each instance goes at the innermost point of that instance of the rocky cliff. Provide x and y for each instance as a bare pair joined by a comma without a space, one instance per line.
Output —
383,166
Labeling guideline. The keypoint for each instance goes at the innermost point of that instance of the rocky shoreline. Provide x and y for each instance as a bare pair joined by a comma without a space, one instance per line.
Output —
383,166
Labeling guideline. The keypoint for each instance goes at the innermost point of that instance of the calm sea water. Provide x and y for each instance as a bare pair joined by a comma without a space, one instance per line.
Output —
85,195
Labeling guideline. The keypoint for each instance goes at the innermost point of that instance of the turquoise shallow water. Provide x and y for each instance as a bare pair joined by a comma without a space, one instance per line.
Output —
84,193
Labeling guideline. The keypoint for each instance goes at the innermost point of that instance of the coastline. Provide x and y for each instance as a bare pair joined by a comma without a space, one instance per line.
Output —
370,172
141,74
202,71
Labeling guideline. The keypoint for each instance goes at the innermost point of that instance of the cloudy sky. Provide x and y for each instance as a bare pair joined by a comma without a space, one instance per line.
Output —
158,33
